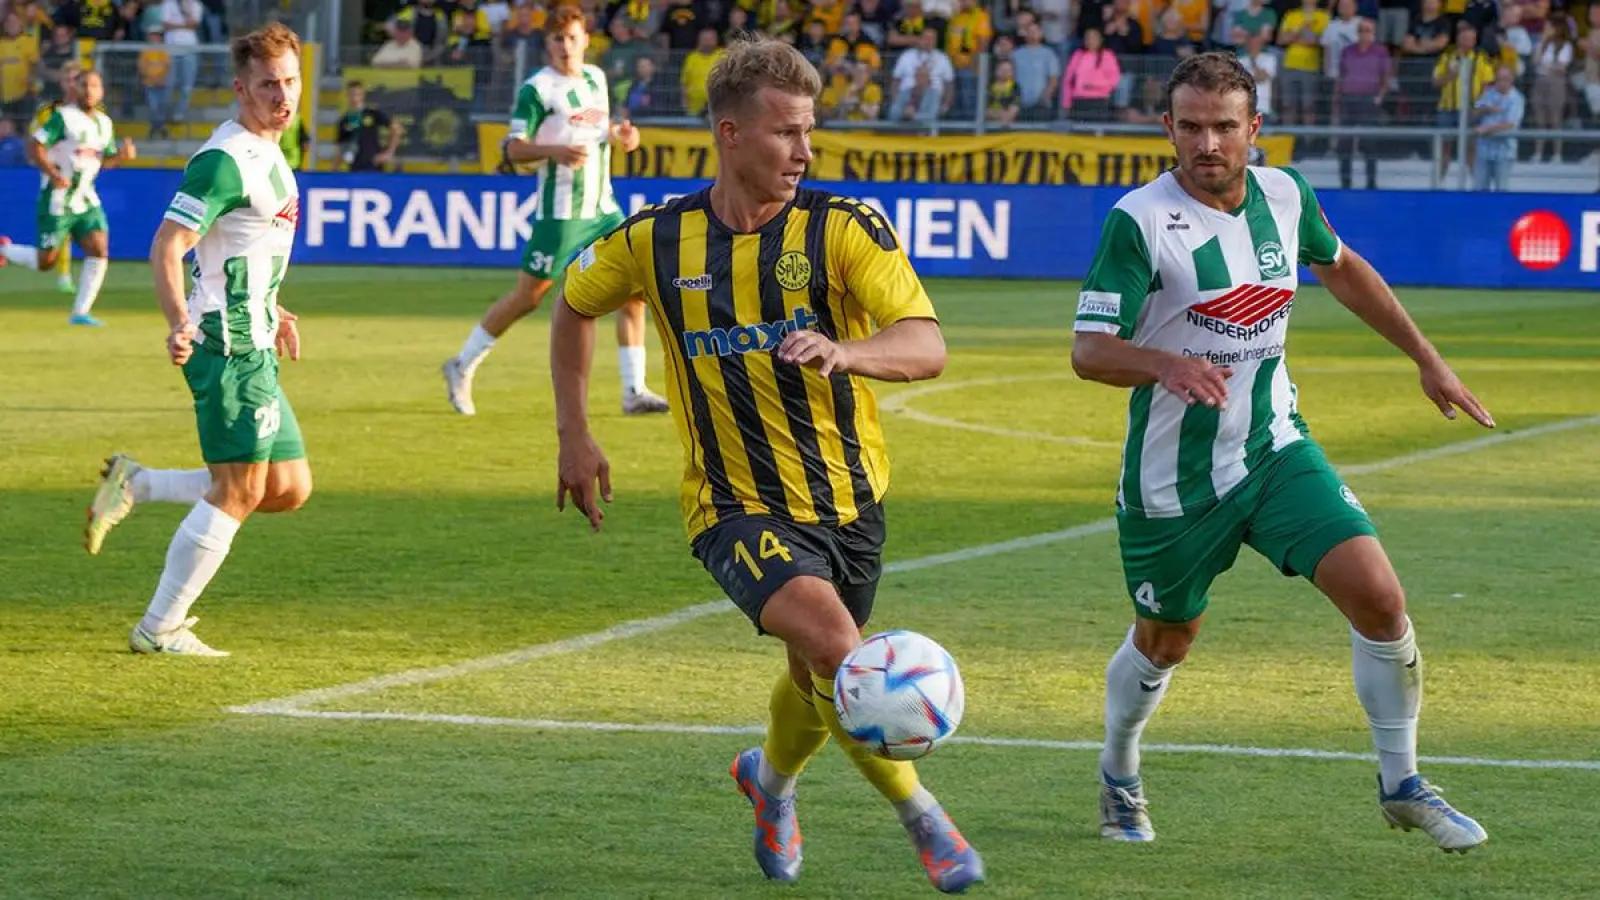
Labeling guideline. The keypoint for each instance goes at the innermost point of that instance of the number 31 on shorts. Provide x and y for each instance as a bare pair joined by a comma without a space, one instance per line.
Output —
769,548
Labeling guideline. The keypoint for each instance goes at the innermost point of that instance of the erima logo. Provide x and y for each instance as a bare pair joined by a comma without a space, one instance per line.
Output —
1246,312
1177,223
697,283
765,336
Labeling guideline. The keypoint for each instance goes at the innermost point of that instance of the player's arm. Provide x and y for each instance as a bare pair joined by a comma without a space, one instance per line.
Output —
45,137
1114,292
625,136
519,146
211,187
1359,288
396,132
908,345
125,152
602,278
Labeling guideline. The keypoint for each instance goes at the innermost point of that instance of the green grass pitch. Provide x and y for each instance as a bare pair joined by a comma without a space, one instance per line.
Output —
598,768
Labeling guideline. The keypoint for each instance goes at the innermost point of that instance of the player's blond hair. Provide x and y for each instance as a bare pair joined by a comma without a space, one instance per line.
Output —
753,63
266,43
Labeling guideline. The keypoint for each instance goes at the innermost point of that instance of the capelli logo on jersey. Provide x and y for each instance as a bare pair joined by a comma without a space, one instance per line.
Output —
761,337
587,118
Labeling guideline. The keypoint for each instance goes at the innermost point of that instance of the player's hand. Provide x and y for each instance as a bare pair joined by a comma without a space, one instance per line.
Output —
573,155
627,135
128,150
582,465
815,349
60,181
288,338
1196,380
1447,392
180,344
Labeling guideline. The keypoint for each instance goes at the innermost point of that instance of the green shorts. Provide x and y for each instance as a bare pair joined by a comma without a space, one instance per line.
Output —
1292,510
241,412
555,242
56,224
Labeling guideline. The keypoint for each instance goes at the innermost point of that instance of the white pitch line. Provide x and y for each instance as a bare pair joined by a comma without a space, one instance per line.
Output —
1492,439
1026,743
637,627
898,403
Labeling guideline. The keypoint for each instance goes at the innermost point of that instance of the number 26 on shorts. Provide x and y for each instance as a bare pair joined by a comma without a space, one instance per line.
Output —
769,548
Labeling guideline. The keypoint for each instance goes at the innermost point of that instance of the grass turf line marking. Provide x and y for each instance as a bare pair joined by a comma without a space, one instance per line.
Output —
635,627
899,404
1026,743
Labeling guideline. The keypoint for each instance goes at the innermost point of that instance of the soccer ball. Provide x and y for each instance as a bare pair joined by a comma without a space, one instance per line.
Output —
899,694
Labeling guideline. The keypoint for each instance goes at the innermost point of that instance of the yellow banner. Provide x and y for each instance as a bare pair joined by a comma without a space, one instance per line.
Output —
1007,158
433,105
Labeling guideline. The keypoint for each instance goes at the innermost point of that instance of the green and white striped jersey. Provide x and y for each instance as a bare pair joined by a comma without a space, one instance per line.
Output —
240,194
1173,274
553,108
76,141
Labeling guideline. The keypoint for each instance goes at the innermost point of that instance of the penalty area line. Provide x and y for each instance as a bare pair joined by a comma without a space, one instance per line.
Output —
1019,743
637,627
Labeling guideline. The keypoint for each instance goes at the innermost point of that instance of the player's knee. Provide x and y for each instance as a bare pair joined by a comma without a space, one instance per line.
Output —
1165,644
827,650
237,497
48,259
294,496
1383,617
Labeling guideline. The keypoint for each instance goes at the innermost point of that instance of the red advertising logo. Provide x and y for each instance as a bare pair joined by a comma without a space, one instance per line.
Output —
1540,240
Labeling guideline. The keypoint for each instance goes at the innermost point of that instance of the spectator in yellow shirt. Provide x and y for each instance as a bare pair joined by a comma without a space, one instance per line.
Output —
697,68
850,43
851,94
1301,81
19,54
155,65
829,12
1452,82
968,35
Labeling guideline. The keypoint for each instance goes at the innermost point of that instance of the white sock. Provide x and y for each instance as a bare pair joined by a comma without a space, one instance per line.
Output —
915,806
89,281
631,361
186,486
1134,688
21,254
196,552
1389,684
774,782
478,345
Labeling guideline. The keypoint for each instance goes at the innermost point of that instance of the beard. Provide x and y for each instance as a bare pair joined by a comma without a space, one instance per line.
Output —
1214,180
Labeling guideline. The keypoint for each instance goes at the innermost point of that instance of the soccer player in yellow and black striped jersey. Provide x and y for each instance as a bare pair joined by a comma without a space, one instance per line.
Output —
775,304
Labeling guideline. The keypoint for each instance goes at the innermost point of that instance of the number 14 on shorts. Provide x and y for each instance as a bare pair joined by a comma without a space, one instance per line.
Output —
769,547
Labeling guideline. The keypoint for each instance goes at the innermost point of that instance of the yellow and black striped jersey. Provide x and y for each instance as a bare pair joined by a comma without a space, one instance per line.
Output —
762,437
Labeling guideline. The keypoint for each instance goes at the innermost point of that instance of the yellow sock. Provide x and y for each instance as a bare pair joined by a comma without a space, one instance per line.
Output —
895,780
64,260
795,732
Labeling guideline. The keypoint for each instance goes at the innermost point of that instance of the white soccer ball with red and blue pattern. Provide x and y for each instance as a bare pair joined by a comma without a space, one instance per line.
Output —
899,694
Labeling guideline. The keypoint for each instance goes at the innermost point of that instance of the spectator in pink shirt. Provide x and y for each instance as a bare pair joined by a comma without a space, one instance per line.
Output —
1363,81
1091,77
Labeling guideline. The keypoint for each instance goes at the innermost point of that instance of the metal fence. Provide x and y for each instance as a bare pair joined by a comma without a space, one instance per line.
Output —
1415,126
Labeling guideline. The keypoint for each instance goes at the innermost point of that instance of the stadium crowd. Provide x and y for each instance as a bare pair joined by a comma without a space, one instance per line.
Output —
1318,62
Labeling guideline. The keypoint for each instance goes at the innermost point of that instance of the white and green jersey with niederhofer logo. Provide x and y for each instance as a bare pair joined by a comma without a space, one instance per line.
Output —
239,193
1173,274
553,108
76,141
